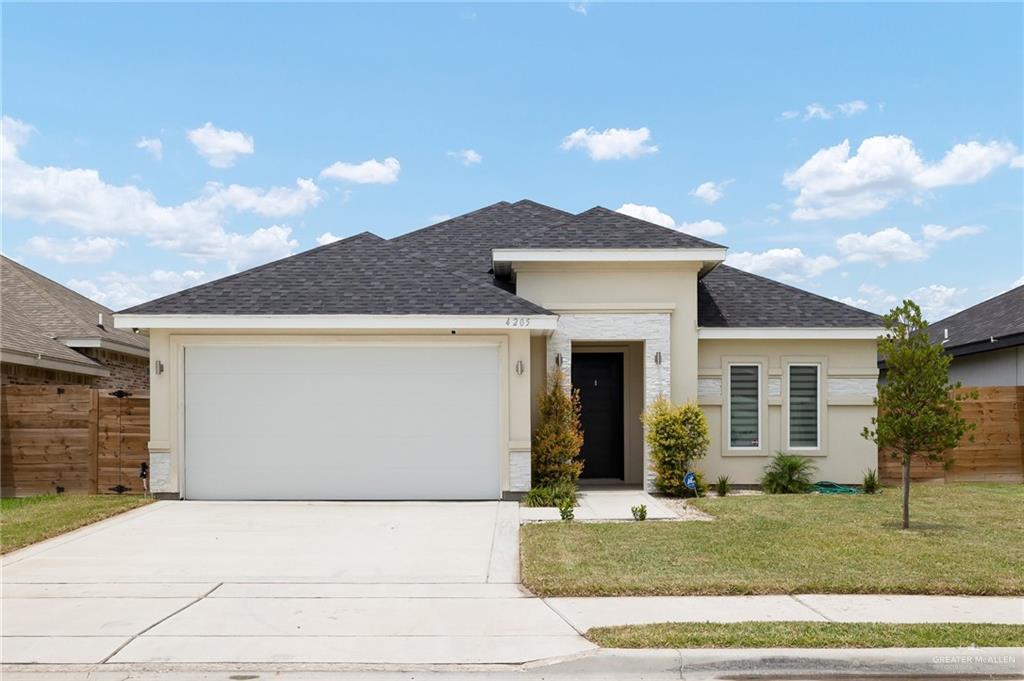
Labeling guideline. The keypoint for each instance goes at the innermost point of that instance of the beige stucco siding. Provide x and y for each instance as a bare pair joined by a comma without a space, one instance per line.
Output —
847,383
625,288
166,389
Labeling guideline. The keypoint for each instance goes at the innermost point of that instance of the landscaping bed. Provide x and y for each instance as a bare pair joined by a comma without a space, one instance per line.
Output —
27,520
807,635
964,539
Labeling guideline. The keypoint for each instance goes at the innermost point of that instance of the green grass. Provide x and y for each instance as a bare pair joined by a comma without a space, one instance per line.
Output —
964,539
27,520
807,635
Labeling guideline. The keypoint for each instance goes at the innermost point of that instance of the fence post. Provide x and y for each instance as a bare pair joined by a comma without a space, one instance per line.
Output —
94,440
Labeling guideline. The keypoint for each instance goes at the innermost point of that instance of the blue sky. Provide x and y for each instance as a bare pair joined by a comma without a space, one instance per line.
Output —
865,152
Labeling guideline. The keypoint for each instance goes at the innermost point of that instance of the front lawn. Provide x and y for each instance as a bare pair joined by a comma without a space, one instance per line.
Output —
808,635
964,539
26,520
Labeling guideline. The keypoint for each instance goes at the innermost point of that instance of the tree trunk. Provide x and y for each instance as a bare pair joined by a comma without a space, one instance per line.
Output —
906,491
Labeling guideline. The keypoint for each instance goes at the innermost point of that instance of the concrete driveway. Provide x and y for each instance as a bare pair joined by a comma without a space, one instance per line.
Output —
280,582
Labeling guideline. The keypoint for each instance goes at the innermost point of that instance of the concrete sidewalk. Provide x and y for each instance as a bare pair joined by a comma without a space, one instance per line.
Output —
586,613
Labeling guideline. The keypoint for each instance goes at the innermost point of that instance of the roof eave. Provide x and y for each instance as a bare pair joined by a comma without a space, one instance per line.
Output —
789,333
502,322
42,361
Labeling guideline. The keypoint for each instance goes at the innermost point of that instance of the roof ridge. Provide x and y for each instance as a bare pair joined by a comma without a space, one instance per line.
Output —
451,219
258,268
710,244
798,289
978,304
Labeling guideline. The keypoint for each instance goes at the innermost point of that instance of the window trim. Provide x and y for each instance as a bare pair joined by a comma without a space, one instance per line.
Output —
819,366
760,408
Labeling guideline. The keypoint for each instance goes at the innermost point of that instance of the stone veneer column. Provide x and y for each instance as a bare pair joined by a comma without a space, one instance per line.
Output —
652,329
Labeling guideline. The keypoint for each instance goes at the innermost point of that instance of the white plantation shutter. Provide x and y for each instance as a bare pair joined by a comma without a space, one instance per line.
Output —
803,405
744,405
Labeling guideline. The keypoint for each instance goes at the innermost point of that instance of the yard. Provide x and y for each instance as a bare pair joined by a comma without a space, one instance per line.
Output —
27,520
807,635
964,539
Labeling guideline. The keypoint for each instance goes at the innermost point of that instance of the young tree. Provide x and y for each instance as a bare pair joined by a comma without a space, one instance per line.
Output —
558,439
918,410
677,436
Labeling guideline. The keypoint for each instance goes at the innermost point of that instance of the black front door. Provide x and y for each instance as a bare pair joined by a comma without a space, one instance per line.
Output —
598,376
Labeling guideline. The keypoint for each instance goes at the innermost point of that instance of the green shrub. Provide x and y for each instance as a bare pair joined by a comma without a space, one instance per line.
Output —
566,509
639,512
722,485
558,439
870,485
788,474
677,435
551,495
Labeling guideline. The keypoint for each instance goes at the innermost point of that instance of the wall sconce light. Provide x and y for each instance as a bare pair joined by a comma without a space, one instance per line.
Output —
520,367
558,359
657,358
158,367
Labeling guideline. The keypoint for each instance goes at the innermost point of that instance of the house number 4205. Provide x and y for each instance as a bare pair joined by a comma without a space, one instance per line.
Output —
517,321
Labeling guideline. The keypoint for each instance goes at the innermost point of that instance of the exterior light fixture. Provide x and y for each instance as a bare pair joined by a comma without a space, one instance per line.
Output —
558,359
657,358
158,367
519,367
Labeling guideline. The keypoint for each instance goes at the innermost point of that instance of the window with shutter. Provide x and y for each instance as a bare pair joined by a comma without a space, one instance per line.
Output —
745,406
803,406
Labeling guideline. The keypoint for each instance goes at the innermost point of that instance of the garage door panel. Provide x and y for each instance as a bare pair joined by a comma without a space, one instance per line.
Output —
342,422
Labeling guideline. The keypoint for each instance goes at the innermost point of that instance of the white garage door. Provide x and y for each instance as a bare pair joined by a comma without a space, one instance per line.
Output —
342,422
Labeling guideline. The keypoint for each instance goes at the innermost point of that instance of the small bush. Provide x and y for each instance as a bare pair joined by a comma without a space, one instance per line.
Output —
677,435
551,495
722,485
788,474
870,485
566,509
639,512
558,439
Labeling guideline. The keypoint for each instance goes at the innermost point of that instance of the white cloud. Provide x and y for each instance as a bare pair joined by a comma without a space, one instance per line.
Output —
1017,161
941,233
367,172
816,111
785,264
834,184
710,192
938,301
220,147
326,238
789,115
852,108
441,217
13,135
153,145
579,7
79,198
871,297
702,228
74,250
882,248
468,157
613,143
118,290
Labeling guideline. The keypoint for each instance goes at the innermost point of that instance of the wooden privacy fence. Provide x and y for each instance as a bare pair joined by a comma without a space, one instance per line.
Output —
71,439
997,453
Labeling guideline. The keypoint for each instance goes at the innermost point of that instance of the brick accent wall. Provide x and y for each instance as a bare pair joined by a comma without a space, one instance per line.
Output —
19,374
127,372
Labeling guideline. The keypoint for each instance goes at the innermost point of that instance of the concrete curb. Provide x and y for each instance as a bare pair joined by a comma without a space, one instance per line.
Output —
691,665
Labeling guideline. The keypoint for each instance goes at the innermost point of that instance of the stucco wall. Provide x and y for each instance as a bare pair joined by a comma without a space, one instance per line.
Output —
166,390
996,368
848,384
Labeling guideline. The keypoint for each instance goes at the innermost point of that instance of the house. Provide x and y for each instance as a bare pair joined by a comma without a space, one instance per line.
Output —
409,368
51,335
986,341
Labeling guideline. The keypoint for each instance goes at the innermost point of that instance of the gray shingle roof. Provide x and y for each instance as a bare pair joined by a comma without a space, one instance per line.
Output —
728,297
363,274
600,227
1000,318
38,313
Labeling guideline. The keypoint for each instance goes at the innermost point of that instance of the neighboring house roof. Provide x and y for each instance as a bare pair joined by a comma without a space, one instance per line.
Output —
43,320
990,325
447,269
361,275
728,297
